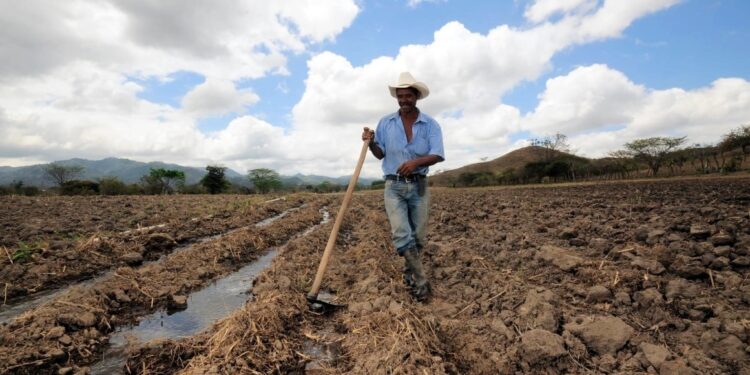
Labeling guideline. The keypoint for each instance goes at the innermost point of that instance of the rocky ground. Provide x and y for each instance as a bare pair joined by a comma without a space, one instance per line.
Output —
627,277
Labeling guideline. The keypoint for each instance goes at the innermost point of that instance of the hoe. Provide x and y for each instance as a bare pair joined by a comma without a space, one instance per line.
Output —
320,305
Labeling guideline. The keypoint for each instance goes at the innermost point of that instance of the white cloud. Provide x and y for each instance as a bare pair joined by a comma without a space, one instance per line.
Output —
615,16
65,92
587,98
217,97
466,87
415,3
228,39
601,110
541,10
247,138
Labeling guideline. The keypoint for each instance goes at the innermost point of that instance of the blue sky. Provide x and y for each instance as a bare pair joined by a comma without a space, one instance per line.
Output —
687,46
283,85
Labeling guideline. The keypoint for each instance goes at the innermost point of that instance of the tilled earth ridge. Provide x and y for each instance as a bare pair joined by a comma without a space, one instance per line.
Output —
61,218
72,330
266,335
626,278
60,262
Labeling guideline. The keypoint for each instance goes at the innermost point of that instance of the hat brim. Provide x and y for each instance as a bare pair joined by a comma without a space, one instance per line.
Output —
421,87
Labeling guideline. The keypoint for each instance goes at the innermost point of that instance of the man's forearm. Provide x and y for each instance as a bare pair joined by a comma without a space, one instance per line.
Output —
428,160
377,151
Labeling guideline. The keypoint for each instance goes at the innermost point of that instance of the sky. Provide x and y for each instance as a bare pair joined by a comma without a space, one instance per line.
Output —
289,85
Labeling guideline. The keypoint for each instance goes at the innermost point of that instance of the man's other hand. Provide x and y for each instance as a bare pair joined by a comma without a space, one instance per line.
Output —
407,168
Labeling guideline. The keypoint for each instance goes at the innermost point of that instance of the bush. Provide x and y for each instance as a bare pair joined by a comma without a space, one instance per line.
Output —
30,191
78,187
18,188
111,185
193,189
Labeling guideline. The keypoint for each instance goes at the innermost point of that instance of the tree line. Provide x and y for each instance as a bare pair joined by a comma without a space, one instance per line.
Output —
646,157
67,181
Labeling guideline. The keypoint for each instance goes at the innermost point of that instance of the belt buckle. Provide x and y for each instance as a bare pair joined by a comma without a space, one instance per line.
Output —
408,179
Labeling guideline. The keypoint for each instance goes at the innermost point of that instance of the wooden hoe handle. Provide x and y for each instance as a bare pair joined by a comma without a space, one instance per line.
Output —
339,218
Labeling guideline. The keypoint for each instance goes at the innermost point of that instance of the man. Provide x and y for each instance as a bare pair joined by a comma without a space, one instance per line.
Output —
408,142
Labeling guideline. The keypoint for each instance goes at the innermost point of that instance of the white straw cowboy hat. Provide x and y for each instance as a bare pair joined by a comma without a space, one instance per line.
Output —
406,80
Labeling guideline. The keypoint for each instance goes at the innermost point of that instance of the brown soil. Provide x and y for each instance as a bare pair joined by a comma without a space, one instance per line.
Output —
74,328
90,245
647,277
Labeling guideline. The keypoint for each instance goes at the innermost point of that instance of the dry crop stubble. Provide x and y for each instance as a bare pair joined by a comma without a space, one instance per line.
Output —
525,278
94,251
265,336
130,293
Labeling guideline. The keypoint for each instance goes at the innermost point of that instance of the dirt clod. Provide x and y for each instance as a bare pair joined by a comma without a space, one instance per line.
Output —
65,340
559,257
538,310
56,333
177,302
602,334
159,242
77,320
732,348
655,354
676,367
540,345
132,259
598,293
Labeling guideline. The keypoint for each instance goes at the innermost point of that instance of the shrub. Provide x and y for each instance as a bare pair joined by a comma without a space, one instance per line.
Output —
78,187
111,185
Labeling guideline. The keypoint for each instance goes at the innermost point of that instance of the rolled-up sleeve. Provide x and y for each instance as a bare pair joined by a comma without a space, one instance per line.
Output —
435,139
380,135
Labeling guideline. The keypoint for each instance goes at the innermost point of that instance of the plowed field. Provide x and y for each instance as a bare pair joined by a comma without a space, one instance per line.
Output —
626,277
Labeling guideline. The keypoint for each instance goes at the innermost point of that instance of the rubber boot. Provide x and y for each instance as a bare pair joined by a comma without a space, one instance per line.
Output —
421,287
408,275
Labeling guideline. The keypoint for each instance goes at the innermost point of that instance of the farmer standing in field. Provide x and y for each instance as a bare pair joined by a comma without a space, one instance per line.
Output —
408,142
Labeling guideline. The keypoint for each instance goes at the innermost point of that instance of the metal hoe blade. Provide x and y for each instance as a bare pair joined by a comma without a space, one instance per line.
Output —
322,306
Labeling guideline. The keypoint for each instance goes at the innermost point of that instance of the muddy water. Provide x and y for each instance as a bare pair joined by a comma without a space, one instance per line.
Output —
205,307
9,312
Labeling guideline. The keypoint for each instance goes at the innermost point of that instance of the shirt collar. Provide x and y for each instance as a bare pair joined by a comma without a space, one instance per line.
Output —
420,117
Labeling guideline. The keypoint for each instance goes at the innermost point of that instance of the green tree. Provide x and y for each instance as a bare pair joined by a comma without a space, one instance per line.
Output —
653,151
60,174
162,181
215,181
264,179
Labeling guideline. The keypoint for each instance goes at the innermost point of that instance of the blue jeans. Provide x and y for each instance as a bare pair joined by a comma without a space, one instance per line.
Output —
407,212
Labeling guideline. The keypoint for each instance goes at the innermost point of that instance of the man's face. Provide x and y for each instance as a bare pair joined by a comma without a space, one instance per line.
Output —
407,100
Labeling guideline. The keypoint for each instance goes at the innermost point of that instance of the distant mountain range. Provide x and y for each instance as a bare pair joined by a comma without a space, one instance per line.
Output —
130,171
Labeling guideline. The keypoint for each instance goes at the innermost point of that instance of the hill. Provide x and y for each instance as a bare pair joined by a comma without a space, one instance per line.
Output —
515,160
131,171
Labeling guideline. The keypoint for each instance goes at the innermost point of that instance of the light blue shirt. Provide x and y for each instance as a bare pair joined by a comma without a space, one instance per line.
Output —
427,139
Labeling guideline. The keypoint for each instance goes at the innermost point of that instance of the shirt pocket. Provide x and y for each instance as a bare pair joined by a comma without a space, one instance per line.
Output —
420,146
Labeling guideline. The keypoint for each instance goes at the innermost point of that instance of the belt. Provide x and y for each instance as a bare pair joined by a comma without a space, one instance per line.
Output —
409,179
